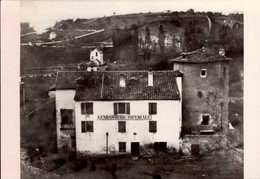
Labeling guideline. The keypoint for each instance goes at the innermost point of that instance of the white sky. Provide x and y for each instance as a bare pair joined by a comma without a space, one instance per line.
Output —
44,13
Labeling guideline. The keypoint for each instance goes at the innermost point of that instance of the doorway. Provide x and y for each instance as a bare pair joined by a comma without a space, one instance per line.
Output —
135,148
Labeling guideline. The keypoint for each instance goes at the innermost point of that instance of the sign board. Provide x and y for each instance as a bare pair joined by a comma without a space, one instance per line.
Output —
121,117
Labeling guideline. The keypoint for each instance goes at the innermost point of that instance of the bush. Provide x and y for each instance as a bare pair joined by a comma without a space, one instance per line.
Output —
78,164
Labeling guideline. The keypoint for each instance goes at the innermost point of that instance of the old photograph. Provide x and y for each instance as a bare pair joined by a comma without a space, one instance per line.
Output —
132,89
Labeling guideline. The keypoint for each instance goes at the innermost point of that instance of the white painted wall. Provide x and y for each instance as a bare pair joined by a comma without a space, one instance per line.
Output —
96,58
168,126
64,100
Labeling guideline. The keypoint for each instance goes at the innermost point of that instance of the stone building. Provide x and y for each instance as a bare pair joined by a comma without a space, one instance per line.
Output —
117,112
205,91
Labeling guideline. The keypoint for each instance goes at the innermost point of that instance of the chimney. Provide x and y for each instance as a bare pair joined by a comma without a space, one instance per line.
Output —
150,78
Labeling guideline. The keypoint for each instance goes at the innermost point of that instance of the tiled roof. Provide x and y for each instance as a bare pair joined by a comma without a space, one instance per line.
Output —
89,85
203,55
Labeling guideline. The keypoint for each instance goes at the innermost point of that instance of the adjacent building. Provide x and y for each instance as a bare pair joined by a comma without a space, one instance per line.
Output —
205,91
117,112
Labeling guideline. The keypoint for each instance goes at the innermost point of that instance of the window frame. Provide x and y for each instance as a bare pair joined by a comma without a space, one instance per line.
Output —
152,108
84,108
126,108
84,126
209,118
122,129
122,145
62,111
152,123
203,76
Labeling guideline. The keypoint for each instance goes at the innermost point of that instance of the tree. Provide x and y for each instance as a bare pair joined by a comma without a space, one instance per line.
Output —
194,36
25,28
161,36
147,35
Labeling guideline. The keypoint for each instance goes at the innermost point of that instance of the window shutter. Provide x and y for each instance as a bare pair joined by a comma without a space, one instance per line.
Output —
115,108
82,108
127,108
83,129
154,108
150,108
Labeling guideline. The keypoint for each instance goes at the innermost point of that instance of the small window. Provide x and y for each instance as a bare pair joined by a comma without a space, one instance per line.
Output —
86,108
203,73
199,94
122,146
92,57
66,116
205,119
87,126
152,108
121,108
96,54
122,82
152,126
224,71
121,126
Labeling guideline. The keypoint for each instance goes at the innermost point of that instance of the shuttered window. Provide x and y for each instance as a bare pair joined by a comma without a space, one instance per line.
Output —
87,126
152,108
152,126
86,108
121,108
66,116
122,146
121,126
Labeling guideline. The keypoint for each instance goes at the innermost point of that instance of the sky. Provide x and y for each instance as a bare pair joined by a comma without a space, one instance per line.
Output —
42,14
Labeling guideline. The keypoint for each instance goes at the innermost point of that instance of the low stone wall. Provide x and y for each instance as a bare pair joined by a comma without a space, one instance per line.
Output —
202,143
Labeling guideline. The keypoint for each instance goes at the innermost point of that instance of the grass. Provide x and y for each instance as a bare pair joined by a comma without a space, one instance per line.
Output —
217,164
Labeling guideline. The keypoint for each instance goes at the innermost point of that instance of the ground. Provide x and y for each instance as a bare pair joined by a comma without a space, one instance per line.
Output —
217,164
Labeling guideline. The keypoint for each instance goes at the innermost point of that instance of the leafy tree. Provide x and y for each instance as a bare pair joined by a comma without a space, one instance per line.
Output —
161,36
25,28
194,36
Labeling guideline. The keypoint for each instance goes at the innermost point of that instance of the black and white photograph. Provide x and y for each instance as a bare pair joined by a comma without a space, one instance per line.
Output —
131,89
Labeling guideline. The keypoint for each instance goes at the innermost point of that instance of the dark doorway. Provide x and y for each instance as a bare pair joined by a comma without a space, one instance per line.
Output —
135,148
160,146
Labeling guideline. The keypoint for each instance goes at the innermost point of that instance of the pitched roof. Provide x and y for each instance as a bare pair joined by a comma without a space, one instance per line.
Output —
105,85
203,55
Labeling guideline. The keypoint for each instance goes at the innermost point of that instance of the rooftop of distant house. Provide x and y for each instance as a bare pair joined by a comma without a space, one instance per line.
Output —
105,85
203,55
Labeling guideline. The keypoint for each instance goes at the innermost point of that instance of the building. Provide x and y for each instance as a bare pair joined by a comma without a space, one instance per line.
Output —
96,56
205,91
52,35
118,112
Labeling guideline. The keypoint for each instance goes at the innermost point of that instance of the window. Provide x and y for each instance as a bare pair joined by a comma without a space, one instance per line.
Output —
224,71
160,146
66,116
199,94
86,108
152,108
121,108
96,54
122,146
205,119
122,80
87,126
121,126
152,126
203,73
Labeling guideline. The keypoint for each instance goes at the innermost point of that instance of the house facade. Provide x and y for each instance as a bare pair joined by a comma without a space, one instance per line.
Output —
118,112
205,91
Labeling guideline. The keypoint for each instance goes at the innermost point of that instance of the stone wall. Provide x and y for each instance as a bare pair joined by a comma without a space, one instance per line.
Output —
204,95
206,143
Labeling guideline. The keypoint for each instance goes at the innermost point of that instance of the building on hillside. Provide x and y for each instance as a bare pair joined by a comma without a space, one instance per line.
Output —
52,35
118,112
96,56
205,91
168,41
